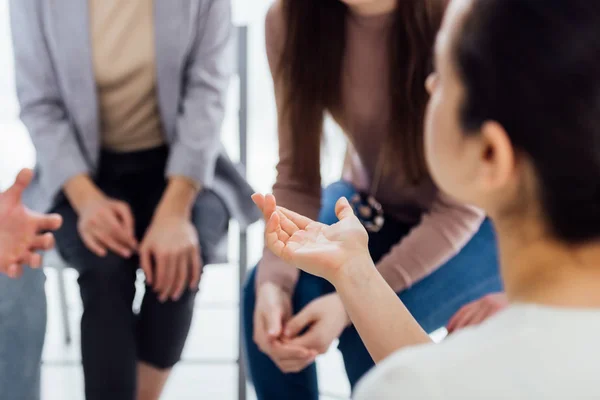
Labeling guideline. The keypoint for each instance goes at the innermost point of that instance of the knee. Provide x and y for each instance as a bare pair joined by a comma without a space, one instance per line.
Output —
331,195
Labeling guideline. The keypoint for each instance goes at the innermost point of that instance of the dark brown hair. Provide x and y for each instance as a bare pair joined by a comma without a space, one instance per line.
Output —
532,66
310,70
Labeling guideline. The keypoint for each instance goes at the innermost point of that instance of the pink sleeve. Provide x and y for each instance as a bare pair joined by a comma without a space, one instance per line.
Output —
441,234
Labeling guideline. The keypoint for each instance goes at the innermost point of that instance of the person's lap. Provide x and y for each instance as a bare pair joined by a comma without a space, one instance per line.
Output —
113,338
432,301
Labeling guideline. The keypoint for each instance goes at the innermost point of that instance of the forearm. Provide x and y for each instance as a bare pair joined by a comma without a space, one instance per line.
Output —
179,197
383,322
440,235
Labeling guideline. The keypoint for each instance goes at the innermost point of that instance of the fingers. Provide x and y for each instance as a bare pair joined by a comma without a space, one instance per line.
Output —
21,182
125,216
196,269
343,209
272,324
172,273
291,358
49,222
14,271
34,260
181,277
117,230
288,228
299,220
311,339
460,318
111,242
93,244
479,316
272,231
259,200
165,275
300,322
43,242
146,264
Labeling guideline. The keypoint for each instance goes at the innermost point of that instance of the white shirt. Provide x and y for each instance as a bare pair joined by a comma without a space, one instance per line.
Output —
523,353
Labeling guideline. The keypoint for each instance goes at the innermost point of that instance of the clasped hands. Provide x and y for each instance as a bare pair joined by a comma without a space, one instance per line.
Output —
169,251
293,342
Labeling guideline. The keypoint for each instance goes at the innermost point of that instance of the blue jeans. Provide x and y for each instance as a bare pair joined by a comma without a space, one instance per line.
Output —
22,330
470,275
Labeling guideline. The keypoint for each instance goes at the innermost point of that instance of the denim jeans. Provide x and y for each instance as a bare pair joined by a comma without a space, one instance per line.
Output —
22,330
469,275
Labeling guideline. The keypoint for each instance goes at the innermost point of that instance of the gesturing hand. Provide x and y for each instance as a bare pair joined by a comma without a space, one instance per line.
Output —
21,230
170,256
315,248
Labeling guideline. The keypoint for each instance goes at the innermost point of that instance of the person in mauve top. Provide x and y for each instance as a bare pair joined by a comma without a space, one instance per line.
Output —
512,126
364,63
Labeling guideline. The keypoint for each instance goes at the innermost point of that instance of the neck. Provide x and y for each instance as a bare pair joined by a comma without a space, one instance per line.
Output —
374,8
540,270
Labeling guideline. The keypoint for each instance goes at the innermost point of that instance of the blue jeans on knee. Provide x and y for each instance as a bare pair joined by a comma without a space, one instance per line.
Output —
22,331
468,276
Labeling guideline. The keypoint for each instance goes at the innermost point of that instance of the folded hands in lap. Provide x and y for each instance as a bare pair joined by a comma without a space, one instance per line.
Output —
169,251
294,341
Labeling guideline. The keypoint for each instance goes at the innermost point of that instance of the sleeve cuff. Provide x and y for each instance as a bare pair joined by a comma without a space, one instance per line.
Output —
197,166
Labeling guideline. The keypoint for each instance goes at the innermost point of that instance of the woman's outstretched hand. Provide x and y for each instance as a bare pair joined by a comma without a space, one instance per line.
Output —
316,248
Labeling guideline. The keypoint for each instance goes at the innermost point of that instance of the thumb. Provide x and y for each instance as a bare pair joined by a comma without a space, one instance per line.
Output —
300,321
343,210
22,181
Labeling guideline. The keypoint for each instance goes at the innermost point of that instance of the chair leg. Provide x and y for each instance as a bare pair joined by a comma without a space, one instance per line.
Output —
62,295
242,42
241,276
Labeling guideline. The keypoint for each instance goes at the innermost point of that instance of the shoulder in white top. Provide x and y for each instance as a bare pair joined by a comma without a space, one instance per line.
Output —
523,353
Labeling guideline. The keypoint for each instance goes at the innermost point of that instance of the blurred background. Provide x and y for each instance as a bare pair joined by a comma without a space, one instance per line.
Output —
209,369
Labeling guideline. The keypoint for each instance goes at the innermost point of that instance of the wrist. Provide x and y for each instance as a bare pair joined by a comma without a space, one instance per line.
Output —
80,190
356,271
178,199
343,312
271,288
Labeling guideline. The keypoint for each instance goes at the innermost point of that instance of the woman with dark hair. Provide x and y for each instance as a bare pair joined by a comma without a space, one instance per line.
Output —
365,64
512,126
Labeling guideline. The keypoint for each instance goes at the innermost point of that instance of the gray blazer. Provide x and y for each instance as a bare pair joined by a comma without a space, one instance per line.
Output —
59,105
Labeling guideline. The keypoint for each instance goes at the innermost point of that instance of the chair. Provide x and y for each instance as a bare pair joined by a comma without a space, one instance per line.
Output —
242,70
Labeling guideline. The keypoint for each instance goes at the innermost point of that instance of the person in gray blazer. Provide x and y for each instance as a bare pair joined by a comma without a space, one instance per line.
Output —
124,102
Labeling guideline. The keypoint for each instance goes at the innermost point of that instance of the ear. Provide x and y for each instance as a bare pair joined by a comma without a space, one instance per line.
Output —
497,157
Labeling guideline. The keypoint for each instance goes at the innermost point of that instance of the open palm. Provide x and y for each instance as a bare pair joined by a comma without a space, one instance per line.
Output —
314,247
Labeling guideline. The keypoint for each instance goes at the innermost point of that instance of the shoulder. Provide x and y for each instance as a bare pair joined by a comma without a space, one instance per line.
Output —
403,373
275,18
435,371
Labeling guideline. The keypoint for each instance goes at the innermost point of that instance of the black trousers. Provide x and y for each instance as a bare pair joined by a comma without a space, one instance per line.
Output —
113,338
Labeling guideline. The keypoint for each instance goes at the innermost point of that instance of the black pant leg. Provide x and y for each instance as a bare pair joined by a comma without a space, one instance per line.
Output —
163,327
107,288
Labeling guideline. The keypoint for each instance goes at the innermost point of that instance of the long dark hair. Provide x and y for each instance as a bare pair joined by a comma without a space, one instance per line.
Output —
532,66
310,71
